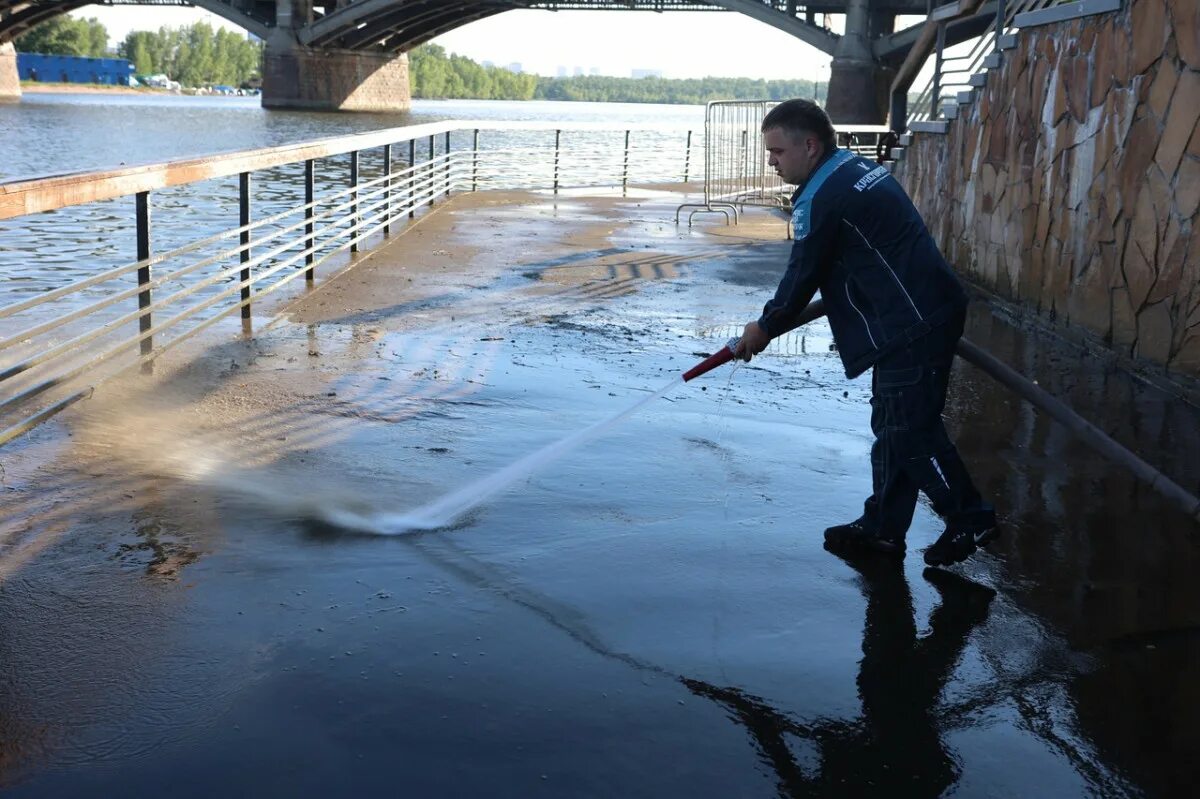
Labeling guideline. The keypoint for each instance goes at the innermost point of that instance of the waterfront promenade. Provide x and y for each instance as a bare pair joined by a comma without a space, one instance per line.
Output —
652,616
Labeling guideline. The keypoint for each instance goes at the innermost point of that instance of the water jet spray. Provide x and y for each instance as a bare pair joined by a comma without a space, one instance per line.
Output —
443,511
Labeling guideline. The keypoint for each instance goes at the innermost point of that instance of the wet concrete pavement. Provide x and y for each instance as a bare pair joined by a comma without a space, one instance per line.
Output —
653,615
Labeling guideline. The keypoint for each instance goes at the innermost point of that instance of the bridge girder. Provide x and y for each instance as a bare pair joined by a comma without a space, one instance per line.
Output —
400,25
20,16
893,48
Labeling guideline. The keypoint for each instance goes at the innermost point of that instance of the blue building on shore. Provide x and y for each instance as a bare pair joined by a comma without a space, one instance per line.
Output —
73,69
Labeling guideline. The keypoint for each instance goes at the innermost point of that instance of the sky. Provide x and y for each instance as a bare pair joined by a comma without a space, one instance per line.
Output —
679,44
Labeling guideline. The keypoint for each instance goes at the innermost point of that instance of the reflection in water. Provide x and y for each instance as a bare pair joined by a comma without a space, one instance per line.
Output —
896,748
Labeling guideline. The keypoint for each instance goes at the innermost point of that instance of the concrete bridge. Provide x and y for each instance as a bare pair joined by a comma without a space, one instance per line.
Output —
351,54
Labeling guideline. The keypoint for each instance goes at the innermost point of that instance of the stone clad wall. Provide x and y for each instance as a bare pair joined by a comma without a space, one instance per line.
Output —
1072,183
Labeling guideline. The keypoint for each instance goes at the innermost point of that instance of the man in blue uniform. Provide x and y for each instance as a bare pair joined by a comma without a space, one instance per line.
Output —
895,306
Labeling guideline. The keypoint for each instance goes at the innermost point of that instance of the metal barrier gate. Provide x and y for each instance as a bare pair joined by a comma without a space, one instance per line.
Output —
735,166
736,173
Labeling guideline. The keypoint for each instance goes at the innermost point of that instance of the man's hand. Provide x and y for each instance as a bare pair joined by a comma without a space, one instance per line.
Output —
753,341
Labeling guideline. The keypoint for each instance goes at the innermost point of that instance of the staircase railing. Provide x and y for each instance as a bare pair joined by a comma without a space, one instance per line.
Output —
955,66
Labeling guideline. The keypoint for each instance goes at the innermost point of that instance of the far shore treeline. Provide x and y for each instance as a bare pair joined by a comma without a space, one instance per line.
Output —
436,75
199,55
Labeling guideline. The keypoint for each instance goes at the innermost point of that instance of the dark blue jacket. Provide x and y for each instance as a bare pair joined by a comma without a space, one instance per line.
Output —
860,240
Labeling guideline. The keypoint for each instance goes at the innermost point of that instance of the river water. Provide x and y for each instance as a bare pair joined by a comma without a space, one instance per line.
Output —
54,133
47,134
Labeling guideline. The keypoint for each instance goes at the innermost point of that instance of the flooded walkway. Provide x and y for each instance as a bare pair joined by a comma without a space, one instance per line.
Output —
654,615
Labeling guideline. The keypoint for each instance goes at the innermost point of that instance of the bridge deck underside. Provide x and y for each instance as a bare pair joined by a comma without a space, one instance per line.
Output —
399,25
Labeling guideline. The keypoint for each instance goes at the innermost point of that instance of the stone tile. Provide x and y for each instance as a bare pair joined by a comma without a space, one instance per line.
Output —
1039,88
1162,87
1138,155
997,142
1141,249
1060,267
998,229
1123,72
1187,359
1154,332
1108,134
1194,146
1047,45
1143,83
1103,56
1022,99
1187,187
1115,204
970,144
1125,109
1161,195
1044,218
1185,20
1124,321
1149,21
1066,136
1181,122
1078,85
1058,82
1090,301
1171,266
1147,220
1193,316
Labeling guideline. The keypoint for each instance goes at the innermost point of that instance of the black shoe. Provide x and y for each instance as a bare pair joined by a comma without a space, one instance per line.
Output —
956,544
987,536
982,524
857,536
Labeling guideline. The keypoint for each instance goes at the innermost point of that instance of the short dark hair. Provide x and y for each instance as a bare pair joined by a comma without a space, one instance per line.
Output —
796,117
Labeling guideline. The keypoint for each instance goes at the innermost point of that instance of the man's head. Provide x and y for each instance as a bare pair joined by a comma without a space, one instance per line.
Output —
796,135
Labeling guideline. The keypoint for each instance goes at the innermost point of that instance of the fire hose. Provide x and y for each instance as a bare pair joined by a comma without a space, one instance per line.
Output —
1087,432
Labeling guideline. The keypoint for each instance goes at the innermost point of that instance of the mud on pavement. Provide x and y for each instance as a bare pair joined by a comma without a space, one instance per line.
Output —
652,616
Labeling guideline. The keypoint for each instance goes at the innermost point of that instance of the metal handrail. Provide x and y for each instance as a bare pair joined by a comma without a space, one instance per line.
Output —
120,271
945,83
150,332
263,255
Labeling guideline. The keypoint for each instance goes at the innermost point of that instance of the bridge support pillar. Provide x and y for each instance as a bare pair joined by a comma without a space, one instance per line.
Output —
858,83
10,81
301,77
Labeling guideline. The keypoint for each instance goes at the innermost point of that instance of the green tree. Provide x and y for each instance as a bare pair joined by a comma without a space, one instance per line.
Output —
64,35
598,88
434,74
138,49
195,55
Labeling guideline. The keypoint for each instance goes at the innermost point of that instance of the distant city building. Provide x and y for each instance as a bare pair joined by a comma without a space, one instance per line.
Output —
562,72
578,71
594,71
488,64
74,69
647,73
515,67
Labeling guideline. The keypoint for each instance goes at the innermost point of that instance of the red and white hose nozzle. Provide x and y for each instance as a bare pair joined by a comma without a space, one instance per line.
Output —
723,355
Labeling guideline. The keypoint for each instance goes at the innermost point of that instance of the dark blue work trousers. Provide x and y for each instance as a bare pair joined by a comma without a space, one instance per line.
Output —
912,452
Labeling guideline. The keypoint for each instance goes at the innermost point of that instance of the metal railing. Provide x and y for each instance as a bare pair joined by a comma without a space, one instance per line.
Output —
58,343
954,66
736,173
